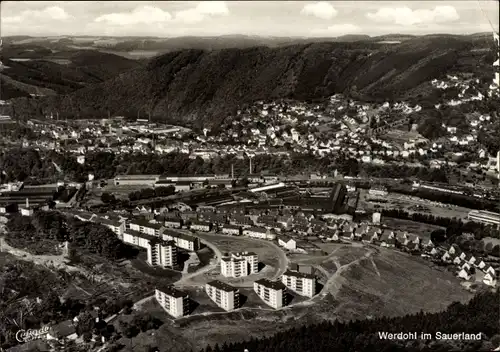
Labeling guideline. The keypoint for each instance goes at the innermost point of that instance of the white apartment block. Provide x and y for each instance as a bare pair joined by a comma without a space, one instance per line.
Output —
118,227
239,264
175,302
149,228
225,296
183,241
271,292
162,253
137,238
301,283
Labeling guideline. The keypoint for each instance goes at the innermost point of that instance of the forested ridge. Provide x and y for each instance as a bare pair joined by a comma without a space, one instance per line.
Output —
205,87
479,315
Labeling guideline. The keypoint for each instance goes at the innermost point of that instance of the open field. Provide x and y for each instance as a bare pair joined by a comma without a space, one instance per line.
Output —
385,282
493,241
271,257
418,228
120,191
410,204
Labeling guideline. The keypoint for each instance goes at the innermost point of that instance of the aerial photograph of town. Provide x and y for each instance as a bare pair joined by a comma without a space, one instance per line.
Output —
249,176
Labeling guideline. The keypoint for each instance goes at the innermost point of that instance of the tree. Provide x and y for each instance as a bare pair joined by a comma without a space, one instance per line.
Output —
438,236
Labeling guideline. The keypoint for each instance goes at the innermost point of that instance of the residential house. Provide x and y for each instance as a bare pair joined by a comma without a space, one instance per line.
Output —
259,232
173,223
203,226
228,229
162,253
287,242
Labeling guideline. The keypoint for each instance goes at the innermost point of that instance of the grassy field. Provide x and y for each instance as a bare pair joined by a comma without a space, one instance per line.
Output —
390,283
418,228
266,254
410,204
493,241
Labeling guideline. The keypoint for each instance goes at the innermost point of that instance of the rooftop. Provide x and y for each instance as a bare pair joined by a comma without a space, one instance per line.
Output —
275,285
171,291
298,274
222,286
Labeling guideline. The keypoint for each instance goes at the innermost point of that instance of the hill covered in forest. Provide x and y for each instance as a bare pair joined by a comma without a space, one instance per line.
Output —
58,73
204,87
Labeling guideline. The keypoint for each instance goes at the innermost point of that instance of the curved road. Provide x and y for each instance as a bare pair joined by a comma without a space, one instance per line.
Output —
282,258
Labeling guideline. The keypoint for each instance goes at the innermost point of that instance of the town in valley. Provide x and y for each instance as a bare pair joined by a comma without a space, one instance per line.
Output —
131,230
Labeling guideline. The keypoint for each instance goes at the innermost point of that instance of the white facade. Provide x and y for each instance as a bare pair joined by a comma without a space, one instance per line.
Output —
259,233
162,253
290,244
200,226
272,293
151,229
301,283
175,302
182,241
224,295
239,264
487,217
137,239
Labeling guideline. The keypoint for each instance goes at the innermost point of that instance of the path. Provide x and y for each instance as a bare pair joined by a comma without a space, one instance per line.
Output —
58,261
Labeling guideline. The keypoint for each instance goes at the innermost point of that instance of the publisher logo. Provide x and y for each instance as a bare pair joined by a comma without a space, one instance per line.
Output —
31,334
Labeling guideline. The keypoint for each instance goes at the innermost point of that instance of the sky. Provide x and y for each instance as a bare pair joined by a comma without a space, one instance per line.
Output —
260,18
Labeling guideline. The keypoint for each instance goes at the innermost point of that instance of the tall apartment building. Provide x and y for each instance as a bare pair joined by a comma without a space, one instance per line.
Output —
175,302
181,240
144,226
162,253
301,283
239,264
271,292
225,296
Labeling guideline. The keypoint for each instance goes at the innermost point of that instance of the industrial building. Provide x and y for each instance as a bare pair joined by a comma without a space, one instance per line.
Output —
487,217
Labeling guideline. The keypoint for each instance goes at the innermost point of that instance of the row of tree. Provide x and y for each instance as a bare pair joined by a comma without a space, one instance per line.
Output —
478,316
148,193
82,236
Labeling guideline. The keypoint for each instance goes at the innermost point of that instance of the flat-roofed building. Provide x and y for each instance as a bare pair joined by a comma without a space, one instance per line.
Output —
162,253
181,240
487,217
175,302
146,180
225,296
301,283
239,264
137,238
271,292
